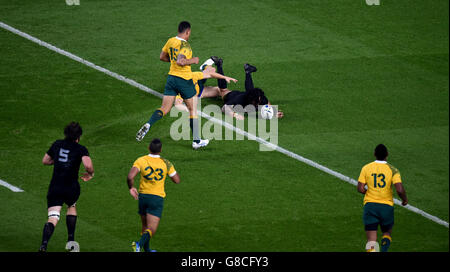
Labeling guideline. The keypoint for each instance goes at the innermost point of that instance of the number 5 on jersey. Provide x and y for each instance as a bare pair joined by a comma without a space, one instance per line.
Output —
63,155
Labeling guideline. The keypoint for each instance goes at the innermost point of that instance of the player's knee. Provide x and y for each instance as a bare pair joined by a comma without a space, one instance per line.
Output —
53,216
72,210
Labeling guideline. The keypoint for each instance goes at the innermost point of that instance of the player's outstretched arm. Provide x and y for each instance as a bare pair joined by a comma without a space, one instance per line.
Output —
212,74
130,181
176,178
228,110
89,174
47,160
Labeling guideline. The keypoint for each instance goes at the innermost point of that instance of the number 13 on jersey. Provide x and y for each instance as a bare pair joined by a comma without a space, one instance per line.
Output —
379,180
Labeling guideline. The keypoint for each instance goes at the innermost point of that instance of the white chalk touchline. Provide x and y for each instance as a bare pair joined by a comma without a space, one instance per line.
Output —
212,119
11,187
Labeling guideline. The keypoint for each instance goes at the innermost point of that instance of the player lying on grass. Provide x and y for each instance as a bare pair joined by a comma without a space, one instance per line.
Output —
251,96
199,79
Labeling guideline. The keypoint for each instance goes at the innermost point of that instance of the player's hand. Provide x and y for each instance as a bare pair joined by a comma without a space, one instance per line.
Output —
238,116
228,79
280,114
195,60
405,202
134,193
86,176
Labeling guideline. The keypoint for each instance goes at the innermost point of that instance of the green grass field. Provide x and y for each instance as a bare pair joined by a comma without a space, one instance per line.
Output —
347,76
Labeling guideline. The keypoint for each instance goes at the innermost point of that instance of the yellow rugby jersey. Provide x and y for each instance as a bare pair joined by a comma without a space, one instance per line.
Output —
153,170
379,177
196,76
175,46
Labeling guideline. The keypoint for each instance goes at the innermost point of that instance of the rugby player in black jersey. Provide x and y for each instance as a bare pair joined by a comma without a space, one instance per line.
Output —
65,156
251,96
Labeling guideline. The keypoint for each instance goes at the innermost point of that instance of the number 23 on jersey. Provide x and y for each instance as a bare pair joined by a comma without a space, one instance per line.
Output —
153,174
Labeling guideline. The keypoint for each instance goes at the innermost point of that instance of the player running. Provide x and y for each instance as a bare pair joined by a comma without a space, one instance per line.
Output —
65,156
379,176
153,172
180,80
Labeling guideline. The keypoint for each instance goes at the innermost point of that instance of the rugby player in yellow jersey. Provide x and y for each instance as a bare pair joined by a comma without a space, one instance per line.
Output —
378,177
178,52
153,172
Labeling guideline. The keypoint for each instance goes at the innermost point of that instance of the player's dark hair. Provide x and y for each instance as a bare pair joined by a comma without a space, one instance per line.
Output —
183,26
256,97
73,131
381,152
155,146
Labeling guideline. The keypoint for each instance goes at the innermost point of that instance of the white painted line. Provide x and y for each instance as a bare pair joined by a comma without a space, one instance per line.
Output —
11,187
212,119
83,61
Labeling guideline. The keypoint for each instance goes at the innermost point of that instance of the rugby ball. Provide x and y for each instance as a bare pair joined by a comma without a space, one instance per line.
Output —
267,112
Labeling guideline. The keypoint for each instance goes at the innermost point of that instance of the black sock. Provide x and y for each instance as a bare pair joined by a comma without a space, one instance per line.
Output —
221,82
248,82
47,233
71,221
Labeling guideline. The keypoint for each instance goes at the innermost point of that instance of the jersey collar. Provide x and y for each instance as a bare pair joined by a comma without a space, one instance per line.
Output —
153,156
181,39
380,161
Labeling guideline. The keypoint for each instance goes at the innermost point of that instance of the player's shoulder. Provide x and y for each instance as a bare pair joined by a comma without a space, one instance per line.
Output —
140,161
79,147
368,165
173,40
185,45
142,158
58,142
393,169
167,162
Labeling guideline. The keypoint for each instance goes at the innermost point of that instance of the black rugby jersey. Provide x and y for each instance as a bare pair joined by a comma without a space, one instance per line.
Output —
67,159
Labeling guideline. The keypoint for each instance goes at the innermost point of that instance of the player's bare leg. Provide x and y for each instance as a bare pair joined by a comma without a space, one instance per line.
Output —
156,116
150,224
210,91
371,240
223,92
167,103
54,214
